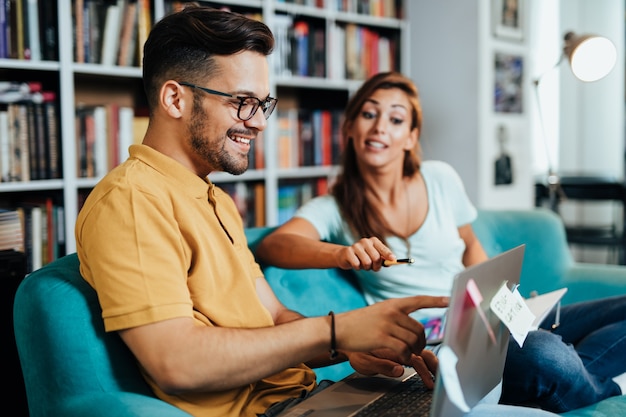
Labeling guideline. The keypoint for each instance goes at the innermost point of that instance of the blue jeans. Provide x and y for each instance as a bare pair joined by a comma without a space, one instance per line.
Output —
571,366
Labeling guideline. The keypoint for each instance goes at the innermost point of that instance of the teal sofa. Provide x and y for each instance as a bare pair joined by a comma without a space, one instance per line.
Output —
73,368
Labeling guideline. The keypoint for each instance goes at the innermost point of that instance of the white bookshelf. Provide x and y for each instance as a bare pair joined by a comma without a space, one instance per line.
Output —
74,77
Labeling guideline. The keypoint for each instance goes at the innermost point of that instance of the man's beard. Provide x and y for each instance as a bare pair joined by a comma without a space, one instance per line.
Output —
218,159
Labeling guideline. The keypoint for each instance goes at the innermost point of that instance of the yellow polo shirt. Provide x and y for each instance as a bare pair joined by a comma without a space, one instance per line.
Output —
158,242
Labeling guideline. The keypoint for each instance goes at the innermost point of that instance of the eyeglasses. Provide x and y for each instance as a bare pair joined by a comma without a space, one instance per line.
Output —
247,105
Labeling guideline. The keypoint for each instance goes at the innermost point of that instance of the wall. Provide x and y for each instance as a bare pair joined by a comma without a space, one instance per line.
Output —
452,62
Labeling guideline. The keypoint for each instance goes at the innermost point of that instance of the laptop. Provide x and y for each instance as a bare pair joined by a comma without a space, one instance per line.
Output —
471,356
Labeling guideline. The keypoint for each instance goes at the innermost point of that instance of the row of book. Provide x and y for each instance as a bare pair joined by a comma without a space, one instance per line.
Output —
29,132
111,32
378,8
249,197
293,195
36,228
357,52
28,30
308,137
103,135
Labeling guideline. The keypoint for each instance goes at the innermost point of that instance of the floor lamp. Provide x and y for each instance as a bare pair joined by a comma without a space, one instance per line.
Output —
591,58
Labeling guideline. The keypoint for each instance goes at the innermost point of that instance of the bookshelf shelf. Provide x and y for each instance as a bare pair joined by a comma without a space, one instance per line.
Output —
85,85
35,185
107,70
29,65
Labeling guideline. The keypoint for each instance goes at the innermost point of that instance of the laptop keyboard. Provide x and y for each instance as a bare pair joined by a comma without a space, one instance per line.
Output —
410,398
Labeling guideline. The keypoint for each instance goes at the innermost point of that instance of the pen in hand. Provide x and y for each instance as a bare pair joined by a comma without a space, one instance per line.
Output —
387,262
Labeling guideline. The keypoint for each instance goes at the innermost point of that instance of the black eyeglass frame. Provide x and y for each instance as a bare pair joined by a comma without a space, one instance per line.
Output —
267,106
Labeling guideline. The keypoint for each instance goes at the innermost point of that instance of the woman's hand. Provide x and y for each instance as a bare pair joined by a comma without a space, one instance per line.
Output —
367,254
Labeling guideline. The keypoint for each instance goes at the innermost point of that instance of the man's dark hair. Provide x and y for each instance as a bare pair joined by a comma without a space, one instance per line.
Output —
181,46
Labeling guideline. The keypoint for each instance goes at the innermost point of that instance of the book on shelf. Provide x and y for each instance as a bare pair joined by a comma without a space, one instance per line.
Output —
317,52
287,138
18,139
111,33
336,63
283,34
337,117
367,52
144,25
322,137
300,48
256,156
11,231
48,30
33,44
259,204
128,35
79,31
29,139
41,230
306,141
126,135
94,14
103,135
4,34
21,30
81,132
52,143
24,28
4,147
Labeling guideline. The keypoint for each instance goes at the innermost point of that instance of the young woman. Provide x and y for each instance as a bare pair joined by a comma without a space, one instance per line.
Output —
387,203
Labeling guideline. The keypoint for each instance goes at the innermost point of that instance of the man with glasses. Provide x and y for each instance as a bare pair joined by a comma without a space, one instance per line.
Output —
166,252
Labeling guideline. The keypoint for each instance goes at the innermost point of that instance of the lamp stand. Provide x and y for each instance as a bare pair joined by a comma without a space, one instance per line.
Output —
555,192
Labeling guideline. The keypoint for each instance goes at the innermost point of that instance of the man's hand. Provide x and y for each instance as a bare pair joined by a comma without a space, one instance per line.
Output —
383,362
386,325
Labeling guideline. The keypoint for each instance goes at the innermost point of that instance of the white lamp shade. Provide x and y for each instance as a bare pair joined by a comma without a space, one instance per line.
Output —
591,57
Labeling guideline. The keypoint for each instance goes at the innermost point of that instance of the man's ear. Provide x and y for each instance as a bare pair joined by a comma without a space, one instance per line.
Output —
173,98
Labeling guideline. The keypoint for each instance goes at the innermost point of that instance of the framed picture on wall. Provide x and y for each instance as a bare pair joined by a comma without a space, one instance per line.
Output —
508,19
508,83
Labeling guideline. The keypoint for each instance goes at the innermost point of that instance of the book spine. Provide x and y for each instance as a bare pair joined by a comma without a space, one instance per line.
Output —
33,30
79,33
110,41
52,142
4,145
48,30
3,29
127,114
144,26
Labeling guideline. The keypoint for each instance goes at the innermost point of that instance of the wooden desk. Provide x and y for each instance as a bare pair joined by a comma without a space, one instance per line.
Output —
590,188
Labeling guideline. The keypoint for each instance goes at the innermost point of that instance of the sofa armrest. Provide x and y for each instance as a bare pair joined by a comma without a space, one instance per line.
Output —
591,281
610,407
121,404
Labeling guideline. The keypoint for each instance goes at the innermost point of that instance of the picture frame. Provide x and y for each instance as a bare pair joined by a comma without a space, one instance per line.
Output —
508,19
508,83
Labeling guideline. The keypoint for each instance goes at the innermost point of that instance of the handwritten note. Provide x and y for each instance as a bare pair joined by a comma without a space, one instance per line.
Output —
511,308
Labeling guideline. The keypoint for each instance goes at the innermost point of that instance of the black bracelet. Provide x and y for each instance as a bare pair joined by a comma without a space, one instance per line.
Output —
333,342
